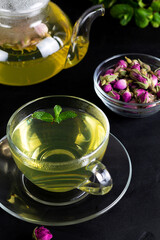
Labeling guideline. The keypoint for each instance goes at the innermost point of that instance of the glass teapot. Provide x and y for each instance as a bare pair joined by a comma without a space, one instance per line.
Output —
37,40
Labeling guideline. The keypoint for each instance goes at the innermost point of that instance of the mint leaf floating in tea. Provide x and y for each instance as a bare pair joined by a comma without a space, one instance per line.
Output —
57,110
67,114
59,116
44,116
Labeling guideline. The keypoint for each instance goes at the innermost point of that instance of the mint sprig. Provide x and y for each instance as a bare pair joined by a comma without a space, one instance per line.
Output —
59,116
46,117
143,12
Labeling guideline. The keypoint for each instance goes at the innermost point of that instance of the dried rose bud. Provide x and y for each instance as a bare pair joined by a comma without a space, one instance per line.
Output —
152,97
157,72
144,71
129,61
136,66
126,96
144,97
144,65
140,78
108,78
114,95
154,81
157,88
41,233
41,29
121,64
117,69
107,88
135,74
120,84
122,73
109,71
139,91
134,61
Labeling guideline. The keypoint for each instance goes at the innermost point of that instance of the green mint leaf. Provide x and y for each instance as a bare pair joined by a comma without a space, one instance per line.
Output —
143,17
57,110
124,12
156,20
126,18
141,4
66,115
155,5
46,117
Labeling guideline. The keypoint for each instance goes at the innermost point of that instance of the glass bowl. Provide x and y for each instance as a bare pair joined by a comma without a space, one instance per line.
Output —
134,110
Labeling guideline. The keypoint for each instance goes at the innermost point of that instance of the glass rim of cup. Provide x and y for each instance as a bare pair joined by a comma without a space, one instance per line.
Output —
84,160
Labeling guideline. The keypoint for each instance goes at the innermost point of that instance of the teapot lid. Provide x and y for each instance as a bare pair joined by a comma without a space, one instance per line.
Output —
21,7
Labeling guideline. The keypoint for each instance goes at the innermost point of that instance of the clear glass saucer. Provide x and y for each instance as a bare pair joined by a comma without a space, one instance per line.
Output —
17,201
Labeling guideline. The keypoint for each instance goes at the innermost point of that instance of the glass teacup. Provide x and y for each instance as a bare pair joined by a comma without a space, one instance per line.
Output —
61,157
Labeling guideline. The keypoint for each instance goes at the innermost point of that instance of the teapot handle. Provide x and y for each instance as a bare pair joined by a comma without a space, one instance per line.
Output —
80,35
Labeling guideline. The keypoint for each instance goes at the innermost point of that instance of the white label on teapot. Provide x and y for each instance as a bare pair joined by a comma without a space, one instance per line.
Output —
3,56
48,46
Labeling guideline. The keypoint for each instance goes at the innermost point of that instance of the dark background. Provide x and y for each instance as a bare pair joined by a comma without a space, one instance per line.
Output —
139,209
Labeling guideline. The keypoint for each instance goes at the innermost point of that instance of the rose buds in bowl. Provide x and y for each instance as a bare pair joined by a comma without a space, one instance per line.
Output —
129,84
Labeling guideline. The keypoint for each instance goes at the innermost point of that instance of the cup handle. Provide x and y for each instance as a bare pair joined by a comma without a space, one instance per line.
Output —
103,177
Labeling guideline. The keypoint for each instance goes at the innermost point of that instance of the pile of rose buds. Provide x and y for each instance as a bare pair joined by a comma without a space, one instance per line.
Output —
132,81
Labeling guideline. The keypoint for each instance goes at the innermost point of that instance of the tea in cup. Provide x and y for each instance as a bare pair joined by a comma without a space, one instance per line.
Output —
58,143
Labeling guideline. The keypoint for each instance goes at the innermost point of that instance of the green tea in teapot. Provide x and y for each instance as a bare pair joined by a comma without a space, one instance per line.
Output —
38,43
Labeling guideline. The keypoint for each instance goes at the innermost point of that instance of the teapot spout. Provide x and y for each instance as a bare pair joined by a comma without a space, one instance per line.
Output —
80,35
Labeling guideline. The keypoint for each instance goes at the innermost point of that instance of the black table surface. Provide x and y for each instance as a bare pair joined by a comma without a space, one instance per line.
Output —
139,210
